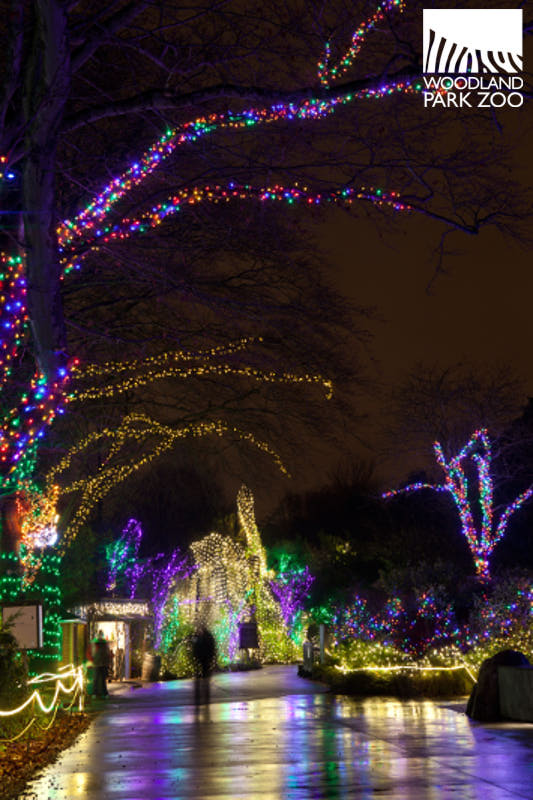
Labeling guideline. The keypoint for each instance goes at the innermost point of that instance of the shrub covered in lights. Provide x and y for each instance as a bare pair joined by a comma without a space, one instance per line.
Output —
427,633
410,624
44,588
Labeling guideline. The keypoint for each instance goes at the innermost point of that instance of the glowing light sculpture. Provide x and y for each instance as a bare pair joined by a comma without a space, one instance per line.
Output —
482,531
246,515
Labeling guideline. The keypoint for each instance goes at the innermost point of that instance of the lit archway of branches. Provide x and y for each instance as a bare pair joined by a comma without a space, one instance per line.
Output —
153,439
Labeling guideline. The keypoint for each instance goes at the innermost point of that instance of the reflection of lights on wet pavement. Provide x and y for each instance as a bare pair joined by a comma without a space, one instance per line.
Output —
156,745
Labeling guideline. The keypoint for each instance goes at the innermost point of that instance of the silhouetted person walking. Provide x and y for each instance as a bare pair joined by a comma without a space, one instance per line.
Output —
204,651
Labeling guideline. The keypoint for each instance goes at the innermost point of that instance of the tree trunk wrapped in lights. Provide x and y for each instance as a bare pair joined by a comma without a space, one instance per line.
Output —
480,525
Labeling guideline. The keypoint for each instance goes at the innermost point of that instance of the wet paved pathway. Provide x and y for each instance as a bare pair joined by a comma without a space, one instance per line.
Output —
273,736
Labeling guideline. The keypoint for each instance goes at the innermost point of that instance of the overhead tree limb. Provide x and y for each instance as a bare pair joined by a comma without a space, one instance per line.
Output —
165,100
103,31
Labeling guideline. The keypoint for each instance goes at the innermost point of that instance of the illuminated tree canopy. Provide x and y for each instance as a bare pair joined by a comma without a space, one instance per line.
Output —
261,114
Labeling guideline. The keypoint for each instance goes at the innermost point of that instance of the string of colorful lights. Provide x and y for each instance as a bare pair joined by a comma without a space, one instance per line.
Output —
189,132
483,536
23,426
424,627
326,73
105,233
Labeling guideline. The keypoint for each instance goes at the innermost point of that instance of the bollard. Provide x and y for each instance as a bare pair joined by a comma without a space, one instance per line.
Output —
308,656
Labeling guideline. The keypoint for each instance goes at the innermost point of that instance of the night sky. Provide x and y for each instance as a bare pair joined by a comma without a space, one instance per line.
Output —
478,310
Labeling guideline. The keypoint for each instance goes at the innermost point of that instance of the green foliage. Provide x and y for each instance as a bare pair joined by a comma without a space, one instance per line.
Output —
176,656
13,671
80,566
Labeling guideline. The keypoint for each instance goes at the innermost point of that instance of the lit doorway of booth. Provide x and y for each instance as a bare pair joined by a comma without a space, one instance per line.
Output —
117,635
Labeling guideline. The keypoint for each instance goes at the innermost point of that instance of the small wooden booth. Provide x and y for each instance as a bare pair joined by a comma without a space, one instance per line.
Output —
127,625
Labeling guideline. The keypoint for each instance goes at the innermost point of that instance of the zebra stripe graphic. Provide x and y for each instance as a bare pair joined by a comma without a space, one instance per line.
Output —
444,56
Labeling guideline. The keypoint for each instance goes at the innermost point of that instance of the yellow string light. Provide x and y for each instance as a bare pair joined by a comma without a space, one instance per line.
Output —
116,367
200,371
246,514
141,429
406,668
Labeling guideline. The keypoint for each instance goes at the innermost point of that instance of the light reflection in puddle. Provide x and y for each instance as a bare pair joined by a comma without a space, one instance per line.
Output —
291,748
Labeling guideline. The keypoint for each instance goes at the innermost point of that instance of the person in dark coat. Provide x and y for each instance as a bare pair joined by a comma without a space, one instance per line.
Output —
204,652
101,661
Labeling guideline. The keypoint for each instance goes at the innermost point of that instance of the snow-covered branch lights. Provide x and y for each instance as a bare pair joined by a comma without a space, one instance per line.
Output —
481,530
